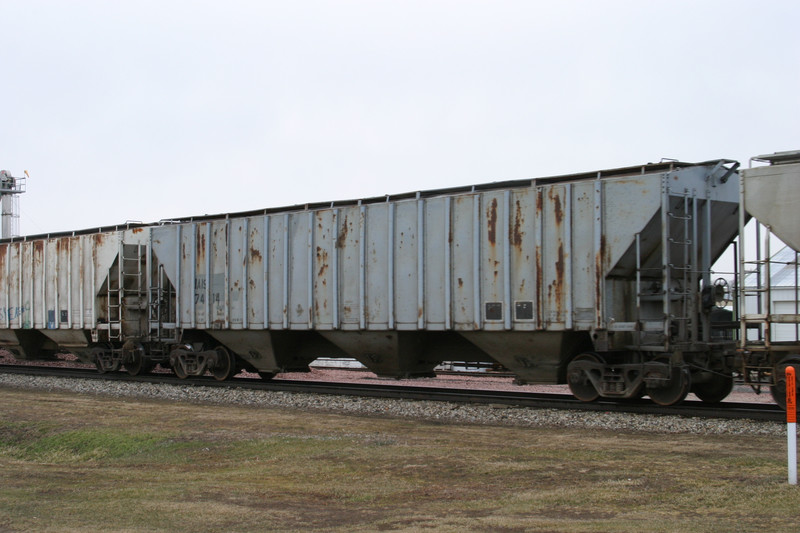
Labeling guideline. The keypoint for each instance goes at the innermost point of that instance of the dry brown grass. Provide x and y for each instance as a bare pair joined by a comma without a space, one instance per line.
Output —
81,463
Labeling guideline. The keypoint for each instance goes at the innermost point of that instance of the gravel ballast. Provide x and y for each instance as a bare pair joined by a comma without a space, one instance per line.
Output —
423,410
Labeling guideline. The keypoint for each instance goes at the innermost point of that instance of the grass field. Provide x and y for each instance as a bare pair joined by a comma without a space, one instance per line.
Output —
83,463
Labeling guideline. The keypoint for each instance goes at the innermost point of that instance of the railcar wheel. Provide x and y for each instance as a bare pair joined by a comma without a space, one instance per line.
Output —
226,364
579,383
778,390
104,360
138,363
715,390
179,369
676,390
97,354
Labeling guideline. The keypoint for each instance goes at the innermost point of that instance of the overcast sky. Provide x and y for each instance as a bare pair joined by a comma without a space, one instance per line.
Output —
157,109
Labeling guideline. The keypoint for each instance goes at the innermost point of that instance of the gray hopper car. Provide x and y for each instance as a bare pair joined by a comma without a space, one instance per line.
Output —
600,280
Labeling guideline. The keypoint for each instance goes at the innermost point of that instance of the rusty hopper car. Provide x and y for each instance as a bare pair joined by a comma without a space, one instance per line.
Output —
600,280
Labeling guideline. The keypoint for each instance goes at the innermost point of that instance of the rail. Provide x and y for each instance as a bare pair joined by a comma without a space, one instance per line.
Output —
696,409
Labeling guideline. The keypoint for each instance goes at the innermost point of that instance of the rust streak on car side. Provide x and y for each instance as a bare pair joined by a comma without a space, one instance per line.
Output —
322,260
559,282
516,232
491,216
599,277
341,239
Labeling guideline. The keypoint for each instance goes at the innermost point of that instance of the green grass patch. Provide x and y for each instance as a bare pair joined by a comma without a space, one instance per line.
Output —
46,443
84,445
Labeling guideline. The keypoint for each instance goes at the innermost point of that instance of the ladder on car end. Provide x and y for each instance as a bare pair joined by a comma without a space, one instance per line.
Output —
125,287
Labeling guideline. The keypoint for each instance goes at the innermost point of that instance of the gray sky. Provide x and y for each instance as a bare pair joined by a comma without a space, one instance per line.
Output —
157,109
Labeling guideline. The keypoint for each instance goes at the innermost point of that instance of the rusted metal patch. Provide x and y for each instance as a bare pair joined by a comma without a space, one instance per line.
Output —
322,261
558,213
516,232
491,216
341,239
538,258
38,253
558,284
599,277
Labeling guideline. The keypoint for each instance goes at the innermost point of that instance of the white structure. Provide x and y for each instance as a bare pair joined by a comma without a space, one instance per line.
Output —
10,189
784,294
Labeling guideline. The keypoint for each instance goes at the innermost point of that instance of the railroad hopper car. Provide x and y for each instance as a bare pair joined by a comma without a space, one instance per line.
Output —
768,287
600,280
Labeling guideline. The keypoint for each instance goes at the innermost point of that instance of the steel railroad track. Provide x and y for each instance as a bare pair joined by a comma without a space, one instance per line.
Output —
696,409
